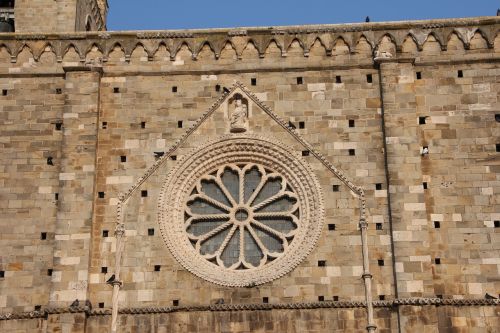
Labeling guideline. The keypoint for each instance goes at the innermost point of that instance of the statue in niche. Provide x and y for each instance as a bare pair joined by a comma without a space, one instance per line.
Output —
239,116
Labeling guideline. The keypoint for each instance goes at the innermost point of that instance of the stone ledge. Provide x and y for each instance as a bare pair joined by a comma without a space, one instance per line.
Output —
256,306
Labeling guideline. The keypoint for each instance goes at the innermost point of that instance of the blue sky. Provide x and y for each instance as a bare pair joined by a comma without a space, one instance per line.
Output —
165,14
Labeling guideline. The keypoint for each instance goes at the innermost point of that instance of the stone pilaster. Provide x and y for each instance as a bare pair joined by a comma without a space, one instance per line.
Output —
74,217
405,163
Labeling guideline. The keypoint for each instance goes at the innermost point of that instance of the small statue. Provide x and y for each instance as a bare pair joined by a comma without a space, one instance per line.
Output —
239,116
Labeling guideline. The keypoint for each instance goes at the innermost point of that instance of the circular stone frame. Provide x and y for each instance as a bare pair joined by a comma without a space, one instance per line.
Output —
242,148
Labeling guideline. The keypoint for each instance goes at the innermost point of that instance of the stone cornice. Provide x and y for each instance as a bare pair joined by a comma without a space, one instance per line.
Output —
254,307
375,34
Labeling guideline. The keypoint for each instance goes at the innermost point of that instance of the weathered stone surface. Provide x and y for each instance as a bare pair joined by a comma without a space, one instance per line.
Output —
83,119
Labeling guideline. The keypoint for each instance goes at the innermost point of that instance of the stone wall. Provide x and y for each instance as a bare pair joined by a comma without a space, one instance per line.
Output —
366,98
49,16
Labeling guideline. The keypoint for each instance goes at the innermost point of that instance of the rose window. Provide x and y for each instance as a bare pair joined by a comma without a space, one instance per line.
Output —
241,210
241,216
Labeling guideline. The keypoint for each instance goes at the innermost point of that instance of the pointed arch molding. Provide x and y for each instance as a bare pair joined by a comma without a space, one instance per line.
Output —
237,151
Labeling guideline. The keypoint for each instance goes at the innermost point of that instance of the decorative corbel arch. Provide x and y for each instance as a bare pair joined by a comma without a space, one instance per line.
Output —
438,38
486,37
290,41
20,49
177,45
358,39
419,42
276,41
321,43
200,46
338,38
68,47
111,48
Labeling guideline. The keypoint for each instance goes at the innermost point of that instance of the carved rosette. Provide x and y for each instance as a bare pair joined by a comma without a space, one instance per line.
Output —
241,211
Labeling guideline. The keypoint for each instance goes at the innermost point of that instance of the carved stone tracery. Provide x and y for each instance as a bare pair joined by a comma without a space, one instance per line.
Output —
241,211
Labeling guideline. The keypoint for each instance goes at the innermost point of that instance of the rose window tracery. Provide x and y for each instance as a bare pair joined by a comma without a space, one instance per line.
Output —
242,216
241,210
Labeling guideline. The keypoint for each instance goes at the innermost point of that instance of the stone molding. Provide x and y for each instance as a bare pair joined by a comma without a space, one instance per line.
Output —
252,307
261,38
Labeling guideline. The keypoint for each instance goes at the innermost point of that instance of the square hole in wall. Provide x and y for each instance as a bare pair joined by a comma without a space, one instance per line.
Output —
460,73
38,307
496,224
43,236
104,125
338,79
351,123
497,146
50,271
421,120
58,91
105,233
49,161
174,89
352,152
173,157
305,153
56,196
497,117
331,226
100,195
437,261
175,302
369,78
424,184
116,90
158,154
378,226
419,75
144,193
321,298
302,124
378,186
381,297
143,124
437,224
151,232
321,263
335,298
179,124
4,92
291,125
300,80
104,270
335,188
225,90
157,268
380,262
123,158
217,87
101,305
253,81
58,126
265,300
2,274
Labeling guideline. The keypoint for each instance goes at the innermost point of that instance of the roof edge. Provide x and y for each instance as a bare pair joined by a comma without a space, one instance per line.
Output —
291,29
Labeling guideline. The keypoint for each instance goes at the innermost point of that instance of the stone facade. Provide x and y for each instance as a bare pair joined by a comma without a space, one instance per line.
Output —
397,122
49,16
